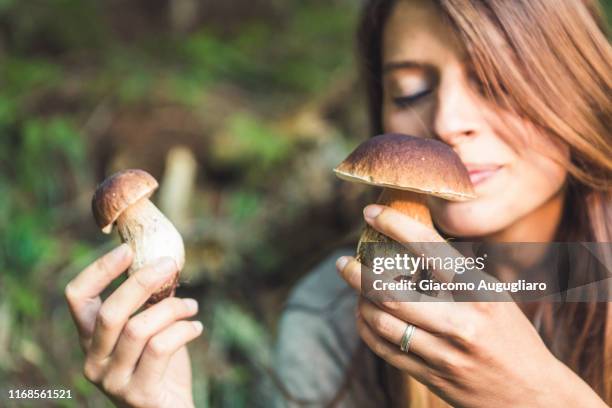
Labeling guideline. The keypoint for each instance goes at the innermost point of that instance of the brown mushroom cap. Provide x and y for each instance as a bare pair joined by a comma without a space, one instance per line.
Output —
409,163
119,191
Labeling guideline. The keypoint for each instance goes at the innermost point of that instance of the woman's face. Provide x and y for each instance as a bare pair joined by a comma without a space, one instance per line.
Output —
430,92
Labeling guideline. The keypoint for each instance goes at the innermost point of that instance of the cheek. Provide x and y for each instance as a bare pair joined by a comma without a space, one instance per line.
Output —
522,188
410,120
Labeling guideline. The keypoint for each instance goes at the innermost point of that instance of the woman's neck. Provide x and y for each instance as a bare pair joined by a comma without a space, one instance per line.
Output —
539,225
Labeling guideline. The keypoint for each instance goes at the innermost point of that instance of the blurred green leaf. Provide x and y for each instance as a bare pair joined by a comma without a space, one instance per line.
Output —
20,75
243,205
253,140
59,60
23,298
49,148
233,326
26,244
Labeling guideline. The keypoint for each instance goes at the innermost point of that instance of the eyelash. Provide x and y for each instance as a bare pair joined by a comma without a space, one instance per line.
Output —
476,83
405,101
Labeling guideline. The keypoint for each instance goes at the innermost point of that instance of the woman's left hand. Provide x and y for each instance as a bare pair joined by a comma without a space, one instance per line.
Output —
472,354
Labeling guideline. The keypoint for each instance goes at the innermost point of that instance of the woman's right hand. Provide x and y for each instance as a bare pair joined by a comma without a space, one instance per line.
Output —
138,360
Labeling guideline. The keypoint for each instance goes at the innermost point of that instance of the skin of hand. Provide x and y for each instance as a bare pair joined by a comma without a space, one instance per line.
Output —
471,354
137,359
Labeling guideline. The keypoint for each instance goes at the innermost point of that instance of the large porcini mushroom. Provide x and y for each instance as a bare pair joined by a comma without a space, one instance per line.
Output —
123,199
409,168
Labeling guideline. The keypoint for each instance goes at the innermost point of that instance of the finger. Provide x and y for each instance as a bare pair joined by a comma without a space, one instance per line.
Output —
419,309
362,279
140,328
411,363
417,237
161,347
82,293
350,270
431,348
124,301
399,226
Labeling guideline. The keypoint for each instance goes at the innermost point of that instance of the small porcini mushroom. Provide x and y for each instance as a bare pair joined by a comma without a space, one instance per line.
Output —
123,199
409,168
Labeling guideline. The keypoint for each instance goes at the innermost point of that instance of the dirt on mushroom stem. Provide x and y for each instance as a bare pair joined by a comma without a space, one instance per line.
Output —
151,236
409,203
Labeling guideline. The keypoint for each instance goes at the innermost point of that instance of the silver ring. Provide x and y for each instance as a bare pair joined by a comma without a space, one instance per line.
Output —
407,337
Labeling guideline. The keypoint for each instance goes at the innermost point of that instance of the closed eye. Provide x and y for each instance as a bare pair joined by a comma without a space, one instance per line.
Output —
405,101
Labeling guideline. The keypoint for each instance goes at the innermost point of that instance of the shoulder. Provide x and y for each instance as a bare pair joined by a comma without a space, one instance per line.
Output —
316,329
317,336
321,290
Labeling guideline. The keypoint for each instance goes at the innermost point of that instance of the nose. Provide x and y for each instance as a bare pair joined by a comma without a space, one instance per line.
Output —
456,115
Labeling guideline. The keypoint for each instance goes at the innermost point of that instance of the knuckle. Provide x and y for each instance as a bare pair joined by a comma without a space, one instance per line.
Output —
111,385
179,308
71,293
380,350
157,347
451,365
134,331
381,323
108,318
361,328
436,381
103,265
485,308
391,305
466,335
91,371
135,398
452,324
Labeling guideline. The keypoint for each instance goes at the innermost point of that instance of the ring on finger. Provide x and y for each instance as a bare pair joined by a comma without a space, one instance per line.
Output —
407,337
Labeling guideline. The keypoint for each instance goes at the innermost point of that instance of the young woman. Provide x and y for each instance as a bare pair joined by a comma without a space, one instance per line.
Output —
521,91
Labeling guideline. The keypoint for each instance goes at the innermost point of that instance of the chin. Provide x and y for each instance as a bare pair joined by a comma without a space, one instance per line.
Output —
469,219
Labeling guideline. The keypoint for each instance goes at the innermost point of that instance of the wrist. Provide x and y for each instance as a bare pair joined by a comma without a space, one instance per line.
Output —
563,388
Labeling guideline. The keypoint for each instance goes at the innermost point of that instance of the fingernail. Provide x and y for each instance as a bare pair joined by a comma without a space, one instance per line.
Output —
191,304
341,263
372,211
198,326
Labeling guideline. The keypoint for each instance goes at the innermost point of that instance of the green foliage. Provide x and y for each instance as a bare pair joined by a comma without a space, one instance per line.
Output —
234,327
324,28
21,79
63,58
243,205
61,24
37,154
250,139
210,58
25,244
55,145
235,332
21,296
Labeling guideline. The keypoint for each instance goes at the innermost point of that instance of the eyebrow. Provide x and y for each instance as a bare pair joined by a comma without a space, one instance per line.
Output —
392,66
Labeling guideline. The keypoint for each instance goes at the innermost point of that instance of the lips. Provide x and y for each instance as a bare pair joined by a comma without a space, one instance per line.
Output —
481,172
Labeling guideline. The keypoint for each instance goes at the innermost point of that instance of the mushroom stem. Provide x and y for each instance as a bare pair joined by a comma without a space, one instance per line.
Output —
151,236
407,202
